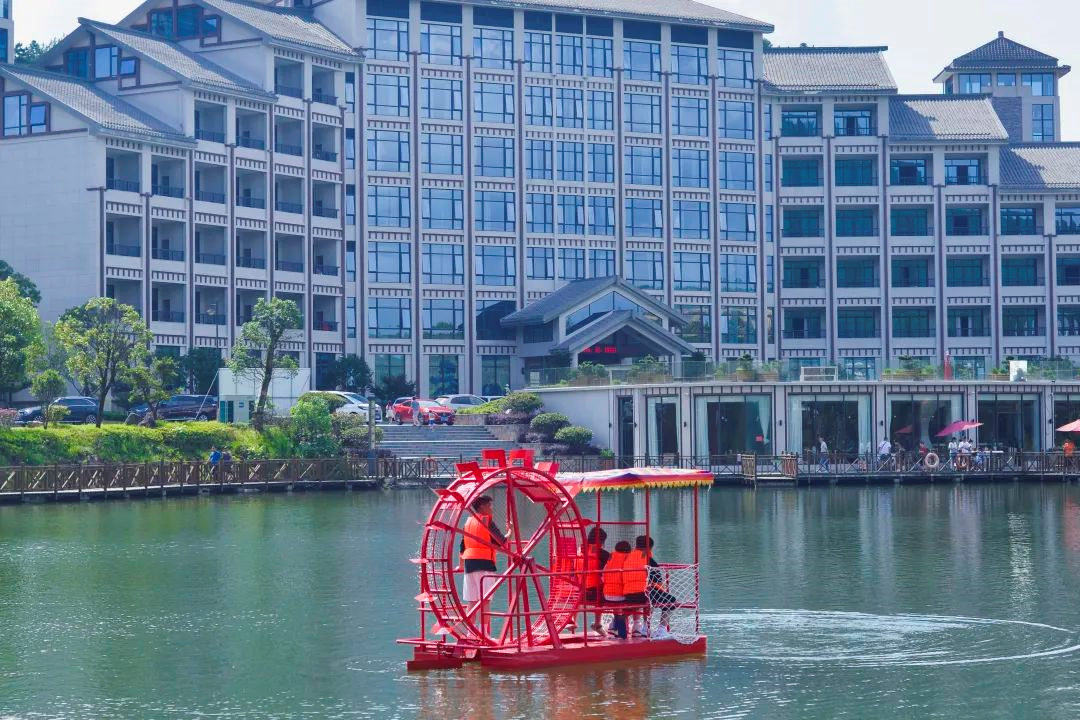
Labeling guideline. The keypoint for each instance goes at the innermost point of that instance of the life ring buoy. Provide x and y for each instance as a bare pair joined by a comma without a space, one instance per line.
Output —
963,462
931,461
431,465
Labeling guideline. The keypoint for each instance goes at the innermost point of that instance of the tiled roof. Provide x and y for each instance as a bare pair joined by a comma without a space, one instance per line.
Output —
293,27
1050,165
1003,52
679,10
575,293
944,117
828,69
195,68
99,108
617,320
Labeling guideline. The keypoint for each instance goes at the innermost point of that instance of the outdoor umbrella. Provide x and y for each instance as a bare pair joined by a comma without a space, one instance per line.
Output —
1074,426
958,426
904,430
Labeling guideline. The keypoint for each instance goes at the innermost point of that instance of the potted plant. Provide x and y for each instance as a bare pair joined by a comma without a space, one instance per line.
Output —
1000,374
744,371
607,460
770,372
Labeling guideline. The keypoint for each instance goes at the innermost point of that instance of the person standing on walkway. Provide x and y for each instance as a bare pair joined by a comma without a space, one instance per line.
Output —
823,455
1069,448
414,407
884,451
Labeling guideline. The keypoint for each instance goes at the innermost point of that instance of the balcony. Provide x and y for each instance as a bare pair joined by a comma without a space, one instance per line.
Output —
331,270
251,202
289,207
217,198
325,212
167,254
209,259
321,97
210,135
804,334
289,266
167,191
170,316
122,250
210,319
289,90
289,149
325,326
325,155
252,143
124,185
251,262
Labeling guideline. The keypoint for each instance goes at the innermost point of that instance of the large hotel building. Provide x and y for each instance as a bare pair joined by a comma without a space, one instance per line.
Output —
470,192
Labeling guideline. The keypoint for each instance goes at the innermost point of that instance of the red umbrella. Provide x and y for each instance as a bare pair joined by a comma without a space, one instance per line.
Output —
958,426
1074,426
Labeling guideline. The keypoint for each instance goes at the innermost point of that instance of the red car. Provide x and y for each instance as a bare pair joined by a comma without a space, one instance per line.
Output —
429,409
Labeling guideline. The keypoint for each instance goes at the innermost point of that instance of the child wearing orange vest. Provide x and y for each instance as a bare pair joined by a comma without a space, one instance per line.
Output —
613,584
592,558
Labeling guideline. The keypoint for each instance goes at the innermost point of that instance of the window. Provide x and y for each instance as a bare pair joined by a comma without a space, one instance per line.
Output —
690,219
443,264
692,271
570,107
350,317
3,36
387,366
570,54
769,220
738,325
571,215
966,272
968,322
350,148
1068,321
160,23
909,171
1042,123
856,172
571,161
389,262
602,263
1008,80
964,221
912,272
803,223
443,375
350,204
857,323
857,272
388,151
388,206
106,61
539,213
974,83
442,209
801,172
440,44
494,156
493,48
698,328
642,166
689,64
77,63
738,221
495,265
768,172
601,110
736,171
736,68
642,113
494,102
856,222
387,39
738,273
736,120
858,368
910,222
803,274
538,106
1041,84
350,91
913,322
441,99
350,261
690,168
390,318
495,211
964,171
1022,272
1023,321
444,319
599,56
800,123
538,162
538,52
804,324
602,217
494,374
388,95
1068,221
129,67
641,60
16,122
540,263
690,116
489,315
854,123
645,269
1018,221
612,302
644,218
601,163
442,154
571,264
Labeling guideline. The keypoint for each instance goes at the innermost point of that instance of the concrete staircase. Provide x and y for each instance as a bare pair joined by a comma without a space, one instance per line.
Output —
466,442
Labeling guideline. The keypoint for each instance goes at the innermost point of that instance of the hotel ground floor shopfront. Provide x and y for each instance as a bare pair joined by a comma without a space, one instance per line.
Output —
721,419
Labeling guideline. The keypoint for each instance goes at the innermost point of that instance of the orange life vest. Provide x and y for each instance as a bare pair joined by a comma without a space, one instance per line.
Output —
635,572
476,531
613,574
588,563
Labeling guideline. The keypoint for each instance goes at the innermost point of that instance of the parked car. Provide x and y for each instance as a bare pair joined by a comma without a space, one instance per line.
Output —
390,416
355,404
460,402
81,409
428,409
182,407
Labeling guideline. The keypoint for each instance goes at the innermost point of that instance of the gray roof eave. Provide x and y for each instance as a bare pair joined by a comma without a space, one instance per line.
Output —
751,24
178,140
594,331
771,89
355,57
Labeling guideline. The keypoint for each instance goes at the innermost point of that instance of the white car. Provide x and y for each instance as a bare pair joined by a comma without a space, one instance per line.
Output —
460,402
355,404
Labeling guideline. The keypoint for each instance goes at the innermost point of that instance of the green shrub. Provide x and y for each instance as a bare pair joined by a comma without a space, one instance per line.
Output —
522,402
193,439
492,407
357,437
310,428
333,402
549,423
114,416
341,423
575,436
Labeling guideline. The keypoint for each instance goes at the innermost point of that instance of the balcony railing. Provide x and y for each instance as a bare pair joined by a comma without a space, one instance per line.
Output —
119,184
289,90
251,262
289,207
251,202
325,326
804,334
325,270
289,266
174,316
167,191
122,250
210,135
321,97
209,258
250,142
325,212
167,254
287,149
325,155
210,196
965,179
210,319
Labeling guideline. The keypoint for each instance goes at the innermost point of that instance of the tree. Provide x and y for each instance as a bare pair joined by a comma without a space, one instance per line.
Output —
104,340
47,387
258,351
48,354
27,288
349,373
393,387
20,332
311,428
200,367
30,54
153,384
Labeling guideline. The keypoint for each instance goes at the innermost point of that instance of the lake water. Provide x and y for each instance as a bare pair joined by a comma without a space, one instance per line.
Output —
910,602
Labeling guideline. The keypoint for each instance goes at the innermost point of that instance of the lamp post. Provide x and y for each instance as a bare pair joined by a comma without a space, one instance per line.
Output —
369,392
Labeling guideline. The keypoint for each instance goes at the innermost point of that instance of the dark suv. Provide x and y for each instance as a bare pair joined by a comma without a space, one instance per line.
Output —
183,407
80,410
